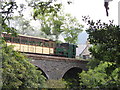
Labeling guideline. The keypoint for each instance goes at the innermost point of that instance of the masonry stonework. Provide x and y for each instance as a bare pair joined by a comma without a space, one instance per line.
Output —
56,67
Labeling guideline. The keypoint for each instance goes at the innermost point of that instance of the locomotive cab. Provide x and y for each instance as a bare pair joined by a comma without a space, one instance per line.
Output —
65,50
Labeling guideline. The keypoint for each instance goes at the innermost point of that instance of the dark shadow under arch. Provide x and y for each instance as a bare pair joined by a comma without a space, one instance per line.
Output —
72,77
43,73
72,73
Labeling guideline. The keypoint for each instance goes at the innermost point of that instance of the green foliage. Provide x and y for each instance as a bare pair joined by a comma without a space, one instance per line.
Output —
1,45
18,72
104,67
56,84
98,77
45,9
7,9
52,25
22,25
51,22
72,28
55,23
106,41
6,28
73,83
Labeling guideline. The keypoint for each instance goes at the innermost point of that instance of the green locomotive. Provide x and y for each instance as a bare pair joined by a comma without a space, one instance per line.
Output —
65,50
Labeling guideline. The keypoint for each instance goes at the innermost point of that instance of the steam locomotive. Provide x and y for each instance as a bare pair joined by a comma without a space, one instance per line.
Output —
36,45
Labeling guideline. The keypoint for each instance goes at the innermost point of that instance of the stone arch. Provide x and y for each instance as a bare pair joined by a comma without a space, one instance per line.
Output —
72,72
43,73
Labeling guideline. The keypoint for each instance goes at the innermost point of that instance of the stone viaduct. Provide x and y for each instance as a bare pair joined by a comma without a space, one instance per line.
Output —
57,67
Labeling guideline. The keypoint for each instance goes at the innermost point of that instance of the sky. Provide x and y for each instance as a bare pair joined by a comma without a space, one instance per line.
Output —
95,9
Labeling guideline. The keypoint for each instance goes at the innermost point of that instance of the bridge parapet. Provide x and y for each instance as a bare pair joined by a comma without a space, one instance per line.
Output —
44,57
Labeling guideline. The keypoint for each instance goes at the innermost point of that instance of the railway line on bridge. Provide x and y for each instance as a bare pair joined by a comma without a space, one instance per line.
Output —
42,57
52,58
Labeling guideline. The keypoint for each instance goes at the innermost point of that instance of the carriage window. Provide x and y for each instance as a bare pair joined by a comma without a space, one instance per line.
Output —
24,41
52,45
46,44
32,42
16,40
8,39
38,43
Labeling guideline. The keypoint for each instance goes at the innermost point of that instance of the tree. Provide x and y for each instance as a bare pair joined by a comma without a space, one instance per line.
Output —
22,25
7,10
106,51
105,40
72,28
50,21
55,23
99,77
18,72
52,26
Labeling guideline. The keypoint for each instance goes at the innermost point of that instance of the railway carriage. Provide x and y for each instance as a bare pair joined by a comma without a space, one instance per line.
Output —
36,45
30,44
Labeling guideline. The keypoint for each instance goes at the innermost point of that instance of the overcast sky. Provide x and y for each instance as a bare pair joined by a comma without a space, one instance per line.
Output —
95,9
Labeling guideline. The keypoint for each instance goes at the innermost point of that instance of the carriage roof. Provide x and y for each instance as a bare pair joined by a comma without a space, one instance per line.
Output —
31,37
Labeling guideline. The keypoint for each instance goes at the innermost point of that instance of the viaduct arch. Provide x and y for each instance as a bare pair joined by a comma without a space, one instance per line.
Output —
56,67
